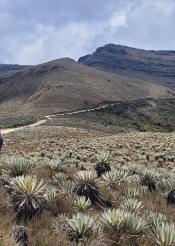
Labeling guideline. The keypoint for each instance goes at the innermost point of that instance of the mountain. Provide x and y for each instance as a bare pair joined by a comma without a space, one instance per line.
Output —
155,66
9,67
65,85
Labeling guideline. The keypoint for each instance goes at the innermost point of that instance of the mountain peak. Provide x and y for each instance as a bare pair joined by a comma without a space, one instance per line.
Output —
65,85
111,48
155,66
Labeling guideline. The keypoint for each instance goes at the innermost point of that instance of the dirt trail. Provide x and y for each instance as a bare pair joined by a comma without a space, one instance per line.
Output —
49,117
79,111
8,130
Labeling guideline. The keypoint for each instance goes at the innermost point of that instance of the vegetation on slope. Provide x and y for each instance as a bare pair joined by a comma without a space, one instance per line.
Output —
77,207
65,85
10,122
139,115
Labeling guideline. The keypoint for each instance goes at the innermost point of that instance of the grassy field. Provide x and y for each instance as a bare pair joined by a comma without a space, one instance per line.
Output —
66,186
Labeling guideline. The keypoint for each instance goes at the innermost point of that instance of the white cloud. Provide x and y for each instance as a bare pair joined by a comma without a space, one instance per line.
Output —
118,19
70,40
26,39
166,7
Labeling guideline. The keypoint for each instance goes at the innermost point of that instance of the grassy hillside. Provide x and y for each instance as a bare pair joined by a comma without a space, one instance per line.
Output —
64,85
9,122
139,115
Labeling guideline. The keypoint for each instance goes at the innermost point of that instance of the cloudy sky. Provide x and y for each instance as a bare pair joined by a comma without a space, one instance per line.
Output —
35,31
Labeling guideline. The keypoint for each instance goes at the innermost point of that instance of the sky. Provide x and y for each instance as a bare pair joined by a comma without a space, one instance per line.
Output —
36,31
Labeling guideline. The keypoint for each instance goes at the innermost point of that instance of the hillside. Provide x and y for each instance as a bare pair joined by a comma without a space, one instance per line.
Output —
8,67
155,66
142,115
64,85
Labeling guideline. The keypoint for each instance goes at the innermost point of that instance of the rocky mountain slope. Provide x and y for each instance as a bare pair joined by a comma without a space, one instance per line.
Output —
155,66
9,67
63,85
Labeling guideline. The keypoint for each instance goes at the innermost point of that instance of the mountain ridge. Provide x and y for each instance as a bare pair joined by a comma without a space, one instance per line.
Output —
11,67
65,85
149,65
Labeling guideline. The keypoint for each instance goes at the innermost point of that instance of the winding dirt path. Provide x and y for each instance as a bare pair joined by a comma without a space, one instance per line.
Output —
8,130
49,117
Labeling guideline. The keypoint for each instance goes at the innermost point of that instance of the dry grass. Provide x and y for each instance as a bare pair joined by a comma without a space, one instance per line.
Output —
78,148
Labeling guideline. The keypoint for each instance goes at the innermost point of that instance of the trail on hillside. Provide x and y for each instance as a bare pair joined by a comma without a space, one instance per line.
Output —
49,117
8,130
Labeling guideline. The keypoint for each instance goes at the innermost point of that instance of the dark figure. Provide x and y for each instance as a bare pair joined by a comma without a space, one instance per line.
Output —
21,236
1,141
102,168
90,190
171,198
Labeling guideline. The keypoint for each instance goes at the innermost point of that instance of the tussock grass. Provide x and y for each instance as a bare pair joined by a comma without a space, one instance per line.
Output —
118,204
